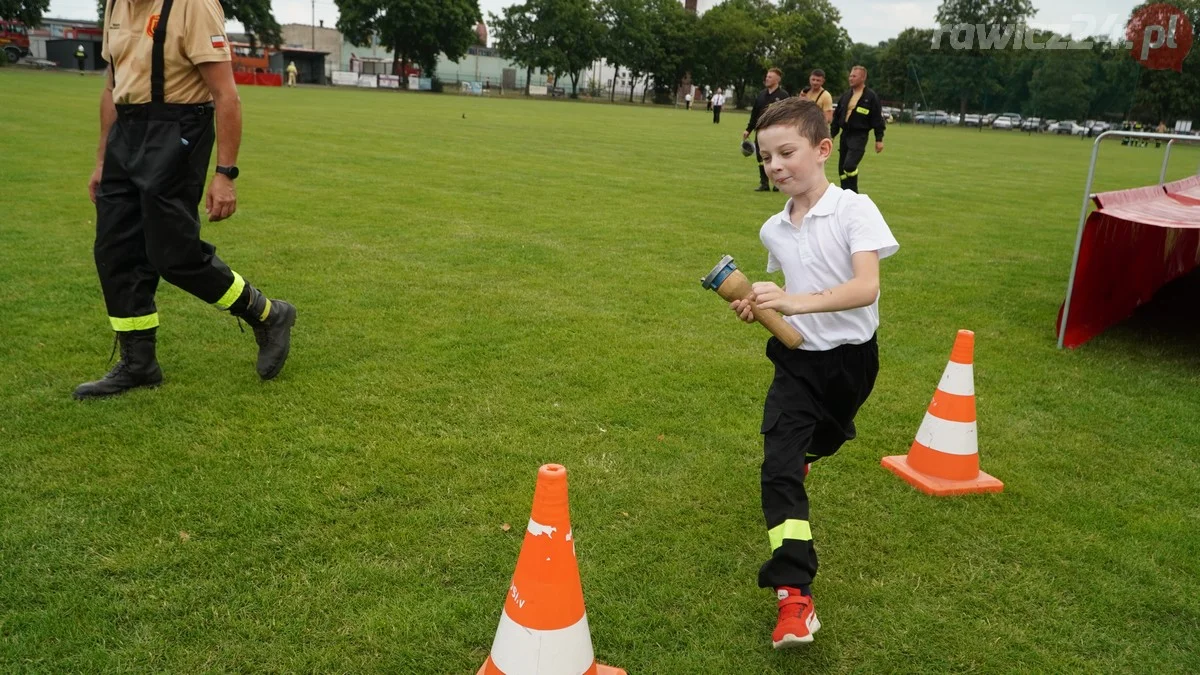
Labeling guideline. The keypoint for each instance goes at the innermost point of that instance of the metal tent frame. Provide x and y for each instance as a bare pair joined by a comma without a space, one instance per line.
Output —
1087,197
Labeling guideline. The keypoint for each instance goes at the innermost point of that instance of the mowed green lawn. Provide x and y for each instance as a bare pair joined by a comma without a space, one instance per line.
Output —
485,286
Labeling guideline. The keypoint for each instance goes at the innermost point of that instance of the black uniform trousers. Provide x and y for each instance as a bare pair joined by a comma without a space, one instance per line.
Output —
762,172
808,414
717,114
850,154
147,224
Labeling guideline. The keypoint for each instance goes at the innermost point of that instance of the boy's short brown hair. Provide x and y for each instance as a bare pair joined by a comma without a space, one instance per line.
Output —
805,115
776,71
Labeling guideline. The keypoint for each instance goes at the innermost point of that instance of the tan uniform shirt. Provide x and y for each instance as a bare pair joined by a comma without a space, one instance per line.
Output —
195,35
823,100
853,102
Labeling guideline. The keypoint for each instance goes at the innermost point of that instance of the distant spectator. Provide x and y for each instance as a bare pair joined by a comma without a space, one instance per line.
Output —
816,92
718,102
770,93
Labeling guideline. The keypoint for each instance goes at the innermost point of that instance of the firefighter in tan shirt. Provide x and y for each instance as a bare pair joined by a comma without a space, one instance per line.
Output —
817,93
169,75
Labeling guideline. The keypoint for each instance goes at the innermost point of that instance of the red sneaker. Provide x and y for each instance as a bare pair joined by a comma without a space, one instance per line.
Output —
797,620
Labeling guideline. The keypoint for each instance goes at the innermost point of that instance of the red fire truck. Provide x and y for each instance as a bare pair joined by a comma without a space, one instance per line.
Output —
14,39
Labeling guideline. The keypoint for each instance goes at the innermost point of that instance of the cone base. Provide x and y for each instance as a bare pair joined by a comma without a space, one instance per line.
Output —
940,487
601,669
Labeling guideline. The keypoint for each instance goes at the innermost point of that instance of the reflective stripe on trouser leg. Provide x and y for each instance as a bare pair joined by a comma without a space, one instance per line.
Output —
234,292
850,154
787,439
126,324
789,529
127,276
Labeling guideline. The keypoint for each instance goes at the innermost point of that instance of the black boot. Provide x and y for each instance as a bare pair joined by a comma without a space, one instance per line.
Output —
273,334
138,367
763,185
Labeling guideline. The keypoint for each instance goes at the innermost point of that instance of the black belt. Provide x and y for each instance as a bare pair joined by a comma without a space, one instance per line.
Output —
170,112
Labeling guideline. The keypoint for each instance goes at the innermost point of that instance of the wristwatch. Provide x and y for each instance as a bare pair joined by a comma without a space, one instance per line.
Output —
230,171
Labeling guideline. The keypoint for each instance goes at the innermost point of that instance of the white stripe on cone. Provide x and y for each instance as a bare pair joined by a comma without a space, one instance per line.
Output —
952,438
537,529
958,378
518,650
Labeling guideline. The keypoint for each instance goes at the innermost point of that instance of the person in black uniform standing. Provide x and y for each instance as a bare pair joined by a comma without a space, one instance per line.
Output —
169,76
858,112
770,93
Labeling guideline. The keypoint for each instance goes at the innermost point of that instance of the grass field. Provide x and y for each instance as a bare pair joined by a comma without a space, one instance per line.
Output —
485,286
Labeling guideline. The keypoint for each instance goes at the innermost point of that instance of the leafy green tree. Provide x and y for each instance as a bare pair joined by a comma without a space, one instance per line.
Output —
1060,87
572,33
517,40
900,64
1165,95
736,42
967,71
676,46
628,39
28,12
414,30
805,35
255,16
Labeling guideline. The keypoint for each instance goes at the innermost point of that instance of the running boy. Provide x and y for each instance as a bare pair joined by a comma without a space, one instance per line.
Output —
828,242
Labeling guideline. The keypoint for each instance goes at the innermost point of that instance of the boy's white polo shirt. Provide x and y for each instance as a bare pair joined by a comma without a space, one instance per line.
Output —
814,255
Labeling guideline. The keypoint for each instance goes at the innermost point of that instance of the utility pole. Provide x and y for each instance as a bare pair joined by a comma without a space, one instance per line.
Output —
314,25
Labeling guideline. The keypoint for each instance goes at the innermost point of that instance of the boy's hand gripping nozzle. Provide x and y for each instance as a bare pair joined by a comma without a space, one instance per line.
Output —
729,283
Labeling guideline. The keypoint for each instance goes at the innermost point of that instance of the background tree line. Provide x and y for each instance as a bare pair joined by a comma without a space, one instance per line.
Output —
661,46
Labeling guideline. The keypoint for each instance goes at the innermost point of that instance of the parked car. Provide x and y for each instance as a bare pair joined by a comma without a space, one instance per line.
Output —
1069,127
1014,117
1002,123
935,117
988,119
1098,128
1032,124
972,120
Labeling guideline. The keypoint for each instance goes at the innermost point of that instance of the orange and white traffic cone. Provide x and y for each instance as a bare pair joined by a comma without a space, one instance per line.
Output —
543,628
944,458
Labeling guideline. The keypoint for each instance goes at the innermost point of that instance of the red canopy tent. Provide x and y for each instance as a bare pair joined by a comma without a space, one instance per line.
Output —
1135,242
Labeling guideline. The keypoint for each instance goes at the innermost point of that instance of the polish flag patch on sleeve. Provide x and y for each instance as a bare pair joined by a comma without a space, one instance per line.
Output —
218,41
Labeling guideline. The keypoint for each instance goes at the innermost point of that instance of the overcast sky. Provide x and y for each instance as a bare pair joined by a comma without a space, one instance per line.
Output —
867,21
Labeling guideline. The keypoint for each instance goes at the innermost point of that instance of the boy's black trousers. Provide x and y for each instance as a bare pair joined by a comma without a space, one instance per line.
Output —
808,414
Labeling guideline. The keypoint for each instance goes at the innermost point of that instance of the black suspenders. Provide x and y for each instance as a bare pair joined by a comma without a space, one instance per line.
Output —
157,68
